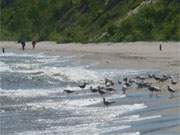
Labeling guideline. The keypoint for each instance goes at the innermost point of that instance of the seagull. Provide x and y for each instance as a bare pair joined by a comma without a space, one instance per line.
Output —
127,84
142,78
171,90
150,75
154,89
173,81
108,82
69,91
107,102
162,79
125,79
93,89
119,82
132,80
124,88
110,89
157,78
82,86
101,91
142,84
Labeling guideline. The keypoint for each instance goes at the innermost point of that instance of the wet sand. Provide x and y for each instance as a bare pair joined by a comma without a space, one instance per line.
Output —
136,55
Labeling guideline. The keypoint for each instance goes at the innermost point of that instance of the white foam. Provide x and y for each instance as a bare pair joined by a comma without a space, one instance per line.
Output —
4,67
29,66
71,73
28,93
138,118
121,72
39,55
131,133
82,129
83,102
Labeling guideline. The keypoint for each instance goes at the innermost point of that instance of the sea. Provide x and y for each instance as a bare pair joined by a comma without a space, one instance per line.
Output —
33,101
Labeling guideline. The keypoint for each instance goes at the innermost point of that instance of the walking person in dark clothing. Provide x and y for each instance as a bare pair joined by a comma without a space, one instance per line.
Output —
3,50
33,44
160,47
23,44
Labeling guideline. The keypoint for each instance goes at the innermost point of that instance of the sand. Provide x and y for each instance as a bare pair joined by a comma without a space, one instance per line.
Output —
133,55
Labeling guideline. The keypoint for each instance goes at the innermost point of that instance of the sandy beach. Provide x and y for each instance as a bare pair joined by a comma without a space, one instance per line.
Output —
137,55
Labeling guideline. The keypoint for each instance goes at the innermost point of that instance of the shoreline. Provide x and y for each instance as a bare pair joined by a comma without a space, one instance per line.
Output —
134,55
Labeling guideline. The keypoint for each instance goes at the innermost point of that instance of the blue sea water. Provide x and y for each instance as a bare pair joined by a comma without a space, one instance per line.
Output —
33,101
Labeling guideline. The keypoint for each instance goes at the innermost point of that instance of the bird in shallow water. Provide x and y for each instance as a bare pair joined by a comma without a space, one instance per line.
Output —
109,82
107,102
119,82
125,79
93,89
82,86
69,91
124,89
110,89
171,90
101,91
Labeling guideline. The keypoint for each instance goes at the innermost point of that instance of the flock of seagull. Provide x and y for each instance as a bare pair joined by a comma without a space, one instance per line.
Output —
140,82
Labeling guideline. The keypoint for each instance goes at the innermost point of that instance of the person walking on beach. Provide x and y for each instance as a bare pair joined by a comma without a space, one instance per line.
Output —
160,47
33,44
3,50
23,44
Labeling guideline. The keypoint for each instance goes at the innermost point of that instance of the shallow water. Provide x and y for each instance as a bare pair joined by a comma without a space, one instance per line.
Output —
33,102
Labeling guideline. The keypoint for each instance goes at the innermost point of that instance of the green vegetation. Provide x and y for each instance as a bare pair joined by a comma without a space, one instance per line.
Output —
90,20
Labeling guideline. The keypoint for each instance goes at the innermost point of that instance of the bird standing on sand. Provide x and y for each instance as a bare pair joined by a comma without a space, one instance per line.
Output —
154,89
107,102
173,81
171,90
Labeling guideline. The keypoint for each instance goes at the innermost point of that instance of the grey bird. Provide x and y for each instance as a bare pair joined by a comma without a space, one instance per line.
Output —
69,91
107,102
109,82
110,89
119,82
101,91
93,89
171,90
154,89
173,81
124,89
82,86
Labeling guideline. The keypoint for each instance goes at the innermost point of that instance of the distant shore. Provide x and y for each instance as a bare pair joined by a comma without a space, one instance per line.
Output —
134,55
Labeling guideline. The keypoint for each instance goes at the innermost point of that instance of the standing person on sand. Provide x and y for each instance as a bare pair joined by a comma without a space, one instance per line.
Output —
160,47
33,44
23,43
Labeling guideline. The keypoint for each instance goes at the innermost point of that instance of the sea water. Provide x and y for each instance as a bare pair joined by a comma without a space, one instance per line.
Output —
33,101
